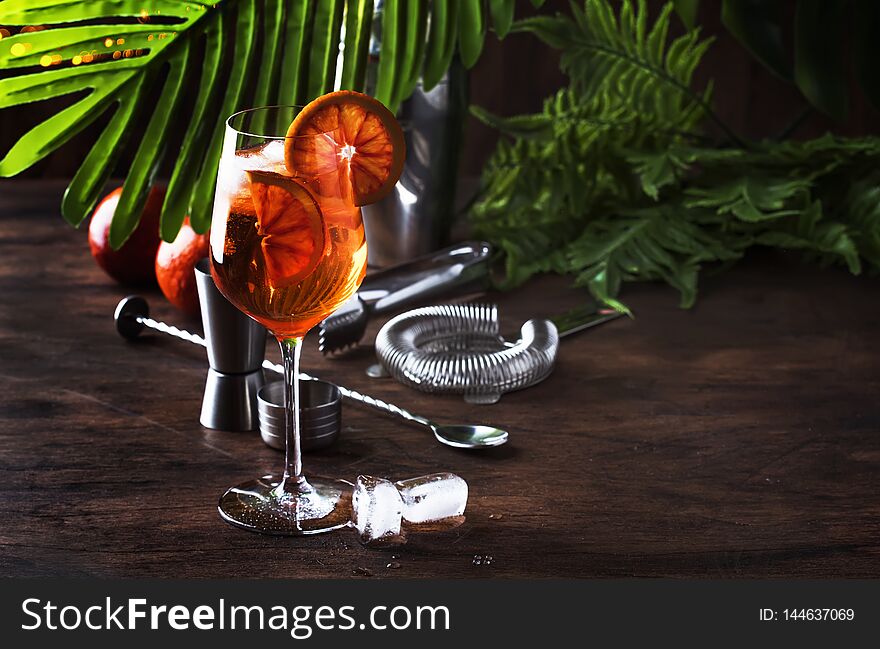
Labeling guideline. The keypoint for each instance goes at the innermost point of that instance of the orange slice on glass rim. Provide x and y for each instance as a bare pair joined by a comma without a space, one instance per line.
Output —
350,139
291,227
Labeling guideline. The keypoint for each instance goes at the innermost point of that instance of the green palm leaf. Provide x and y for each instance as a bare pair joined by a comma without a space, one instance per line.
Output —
819,70
358,22
392,16
132,61
502,15
148,157
203,191
471,31
270,62
178,199
755,24
117,79
442,37
325,47
415,33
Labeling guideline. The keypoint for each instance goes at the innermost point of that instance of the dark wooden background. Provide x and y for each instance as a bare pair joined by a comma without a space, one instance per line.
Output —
736,439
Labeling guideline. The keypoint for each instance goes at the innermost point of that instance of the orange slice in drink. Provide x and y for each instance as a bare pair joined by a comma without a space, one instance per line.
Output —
350,143
291,226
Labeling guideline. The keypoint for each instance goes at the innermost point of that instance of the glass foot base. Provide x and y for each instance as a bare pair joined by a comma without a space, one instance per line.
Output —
306,506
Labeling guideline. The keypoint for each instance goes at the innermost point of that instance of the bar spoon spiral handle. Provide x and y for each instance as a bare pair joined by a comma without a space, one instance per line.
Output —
364,399
132,316
173,331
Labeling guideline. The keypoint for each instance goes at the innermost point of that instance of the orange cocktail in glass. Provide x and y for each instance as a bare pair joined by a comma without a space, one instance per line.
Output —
287,249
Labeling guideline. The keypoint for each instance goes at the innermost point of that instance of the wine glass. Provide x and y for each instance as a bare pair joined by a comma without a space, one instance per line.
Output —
287,249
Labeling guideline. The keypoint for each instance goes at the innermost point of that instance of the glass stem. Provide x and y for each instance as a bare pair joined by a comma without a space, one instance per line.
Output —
290,352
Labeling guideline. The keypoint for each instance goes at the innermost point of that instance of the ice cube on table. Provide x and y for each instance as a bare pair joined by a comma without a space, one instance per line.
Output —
433,497
377,510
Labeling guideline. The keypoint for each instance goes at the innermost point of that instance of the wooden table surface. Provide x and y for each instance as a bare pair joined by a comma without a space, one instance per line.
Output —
739,438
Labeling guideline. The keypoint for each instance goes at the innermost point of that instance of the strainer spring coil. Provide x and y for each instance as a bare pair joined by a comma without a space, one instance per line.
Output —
457,349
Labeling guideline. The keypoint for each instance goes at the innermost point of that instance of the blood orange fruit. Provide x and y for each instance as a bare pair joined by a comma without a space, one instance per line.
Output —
362,145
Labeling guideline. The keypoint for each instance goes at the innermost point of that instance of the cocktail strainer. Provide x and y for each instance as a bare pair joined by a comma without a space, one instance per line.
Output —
457,349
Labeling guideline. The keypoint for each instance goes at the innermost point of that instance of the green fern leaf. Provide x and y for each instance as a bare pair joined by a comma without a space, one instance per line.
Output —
613,182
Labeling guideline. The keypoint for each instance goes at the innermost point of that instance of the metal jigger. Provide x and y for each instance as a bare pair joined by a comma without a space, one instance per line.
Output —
236,347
